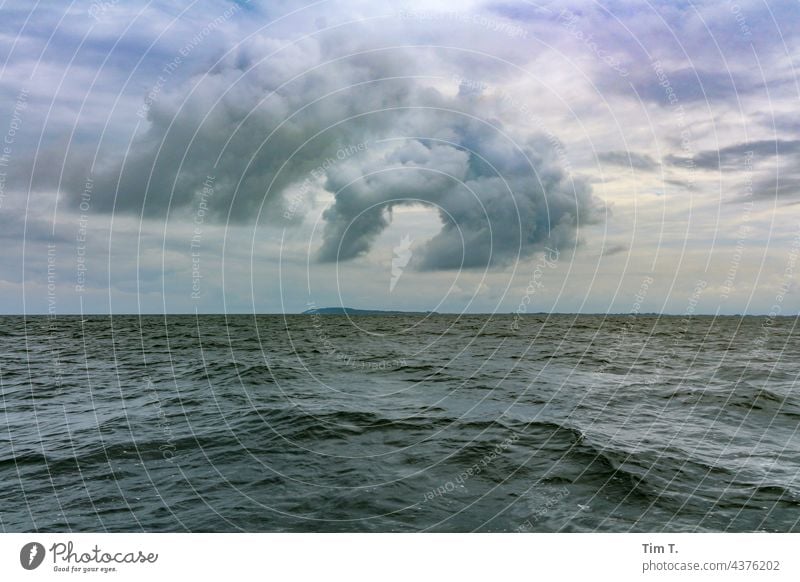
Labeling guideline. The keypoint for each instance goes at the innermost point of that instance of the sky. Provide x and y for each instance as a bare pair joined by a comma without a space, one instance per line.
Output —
510,157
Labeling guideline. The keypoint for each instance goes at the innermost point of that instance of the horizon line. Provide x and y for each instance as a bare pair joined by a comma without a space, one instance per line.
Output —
401,312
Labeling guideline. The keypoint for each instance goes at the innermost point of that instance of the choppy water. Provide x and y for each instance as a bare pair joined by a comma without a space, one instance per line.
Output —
399,423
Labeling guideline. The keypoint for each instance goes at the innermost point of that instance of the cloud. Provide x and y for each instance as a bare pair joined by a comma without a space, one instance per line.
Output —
783,122
780,186
629,159
518,11
271,118
692,84
733,157
498,200
614,250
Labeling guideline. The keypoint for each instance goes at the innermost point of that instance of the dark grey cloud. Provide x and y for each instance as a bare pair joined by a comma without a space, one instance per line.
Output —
14,226
260,128
254,126
498,200
781,186
614,250
735,157
781,122
629,160
686,185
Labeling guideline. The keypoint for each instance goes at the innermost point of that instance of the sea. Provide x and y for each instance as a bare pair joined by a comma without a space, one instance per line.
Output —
399,423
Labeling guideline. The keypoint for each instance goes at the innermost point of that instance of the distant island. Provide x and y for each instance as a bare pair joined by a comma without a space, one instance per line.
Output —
351,311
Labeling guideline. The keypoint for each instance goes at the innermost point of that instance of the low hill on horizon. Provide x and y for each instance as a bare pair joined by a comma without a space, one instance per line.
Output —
352,311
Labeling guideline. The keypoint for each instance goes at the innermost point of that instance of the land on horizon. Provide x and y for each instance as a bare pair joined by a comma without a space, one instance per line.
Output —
351,311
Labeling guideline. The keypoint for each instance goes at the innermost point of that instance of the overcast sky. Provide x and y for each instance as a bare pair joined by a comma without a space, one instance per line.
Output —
451,156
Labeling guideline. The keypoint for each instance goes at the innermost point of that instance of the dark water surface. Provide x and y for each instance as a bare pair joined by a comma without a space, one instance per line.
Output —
399,423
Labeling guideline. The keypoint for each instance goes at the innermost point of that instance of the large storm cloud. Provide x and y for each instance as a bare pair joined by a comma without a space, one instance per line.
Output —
263,119
498,199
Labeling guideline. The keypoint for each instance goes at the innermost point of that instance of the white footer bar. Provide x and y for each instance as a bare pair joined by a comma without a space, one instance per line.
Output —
401,557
